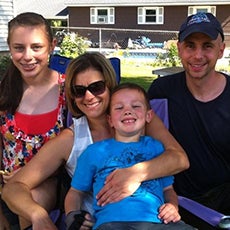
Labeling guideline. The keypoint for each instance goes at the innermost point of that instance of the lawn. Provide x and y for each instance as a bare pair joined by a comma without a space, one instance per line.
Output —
142,81
137,72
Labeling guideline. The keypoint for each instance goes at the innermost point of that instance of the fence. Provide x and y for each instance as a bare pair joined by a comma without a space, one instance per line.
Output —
119,38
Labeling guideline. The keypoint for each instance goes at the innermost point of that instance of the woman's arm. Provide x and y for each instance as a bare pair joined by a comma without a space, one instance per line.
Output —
74,215
123,182
44,164
73,200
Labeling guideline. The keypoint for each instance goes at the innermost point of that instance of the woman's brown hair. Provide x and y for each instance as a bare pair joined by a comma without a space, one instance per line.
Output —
94,60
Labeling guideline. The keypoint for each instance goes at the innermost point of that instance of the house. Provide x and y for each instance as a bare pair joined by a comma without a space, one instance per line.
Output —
51,10
162,16
118,20
7,13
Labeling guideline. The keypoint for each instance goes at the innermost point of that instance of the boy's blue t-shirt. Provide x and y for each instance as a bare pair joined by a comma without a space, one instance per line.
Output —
101,158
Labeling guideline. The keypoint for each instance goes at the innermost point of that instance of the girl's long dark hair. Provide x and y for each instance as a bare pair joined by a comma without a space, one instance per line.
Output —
11,89
11,86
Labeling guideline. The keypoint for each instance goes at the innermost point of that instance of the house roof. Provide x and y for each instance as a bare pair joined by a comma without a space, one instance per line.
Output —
143,2
49,9
58,8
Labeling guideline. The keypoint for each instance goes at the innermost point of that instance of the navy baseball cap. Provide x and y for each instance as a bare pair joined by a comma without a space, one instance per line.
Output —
201,22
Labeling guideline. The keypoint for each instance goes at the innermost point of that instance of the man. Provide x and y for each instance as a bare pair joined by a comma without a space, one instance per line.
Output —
199,113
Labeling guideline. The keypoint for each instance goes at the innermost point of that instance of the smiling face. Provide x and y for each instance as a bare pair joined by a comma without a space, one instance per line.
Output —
30,48
199,54
128,113
92,106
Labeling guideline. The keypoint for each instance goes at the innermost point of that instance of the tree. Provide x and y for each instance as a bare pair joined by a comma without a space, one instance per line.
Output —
73,45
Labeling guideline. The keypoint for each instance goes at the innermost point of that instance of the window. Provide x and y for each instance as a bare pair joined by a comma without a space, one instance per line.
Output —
102,15
150,15
206,9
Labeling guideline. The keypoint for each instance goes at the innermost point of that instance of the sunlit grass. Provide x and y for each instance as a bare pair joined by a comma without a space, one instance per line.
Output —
137,72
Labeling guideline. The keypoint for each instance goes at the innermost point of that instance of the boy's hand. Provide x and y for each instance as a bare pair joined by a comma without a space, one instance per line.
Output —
169,213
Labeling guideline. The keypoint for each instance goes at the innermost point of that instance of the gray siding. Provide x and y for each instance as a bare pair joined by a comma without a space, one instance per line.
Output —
6,14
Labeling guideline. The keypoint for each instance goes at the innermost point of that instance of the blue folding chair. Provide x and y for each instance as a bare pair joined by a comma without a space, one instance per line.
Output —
60,63
116,63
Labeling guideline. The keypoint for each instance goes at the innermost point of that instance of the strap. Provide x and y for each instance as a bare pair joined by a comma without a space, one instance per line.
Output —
208,215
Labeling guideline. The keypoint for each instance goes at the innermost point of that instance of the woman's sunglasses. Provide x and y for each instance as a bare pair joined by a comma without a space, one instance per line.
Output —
95,88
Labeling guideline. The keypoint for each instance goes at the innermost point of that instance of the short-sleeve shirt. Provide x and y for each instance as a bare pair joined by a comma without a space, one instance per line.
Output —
101,158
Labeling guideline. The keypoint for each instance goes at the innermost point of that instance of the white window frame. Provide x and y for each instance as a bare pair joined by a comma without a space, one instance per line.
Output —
97,19
196,9
141,15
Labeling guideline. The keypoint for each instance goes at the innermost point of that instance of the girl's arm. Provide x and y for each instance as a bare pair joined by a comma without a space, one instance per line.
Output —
43,165
4,224
124,182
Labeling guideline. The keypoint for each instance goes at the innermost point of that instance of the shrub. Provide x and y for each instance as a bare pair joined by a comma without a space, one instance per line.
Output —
73,45
4,62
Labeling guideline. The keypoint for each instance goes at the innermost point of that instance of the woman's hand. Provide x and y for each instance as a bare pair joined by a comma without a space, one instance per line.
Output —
169,213
119,184
80,219
88,222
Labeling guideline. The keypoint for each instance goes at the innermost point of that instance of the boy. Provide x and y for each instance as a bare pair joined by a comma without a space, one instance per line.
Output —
154,201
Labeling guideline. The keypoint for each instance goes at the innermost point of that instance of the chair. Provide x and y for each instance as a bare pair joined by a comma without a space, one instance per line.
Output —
160,107
212,217
60,63
116,63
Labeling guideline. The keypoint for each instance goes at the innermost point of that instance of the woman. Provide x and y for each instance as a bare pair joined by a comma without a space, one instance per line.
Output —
89,80
32,103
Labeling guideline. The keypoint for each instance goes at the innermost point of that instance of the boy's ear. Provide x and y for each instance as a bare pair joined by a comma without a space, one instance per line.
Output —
109,120
149,116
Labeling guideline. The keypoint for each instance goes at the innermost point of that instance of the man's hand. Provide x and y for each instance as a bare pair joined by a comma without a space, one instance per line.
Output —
119,184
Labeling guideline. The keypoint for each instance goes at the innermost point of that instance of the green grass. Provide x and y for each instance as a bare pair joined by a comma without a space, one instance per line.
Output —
142,81
139,73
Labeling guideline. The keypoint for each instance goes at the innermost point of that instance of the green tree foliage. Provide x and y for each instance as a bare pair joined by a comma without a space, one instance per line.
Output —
4,62
56,23
173,55
168,59
73,45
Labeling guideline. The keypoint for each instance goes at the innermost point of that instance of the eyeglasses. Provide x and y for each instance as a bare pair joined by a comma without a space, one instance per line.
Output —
96,88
